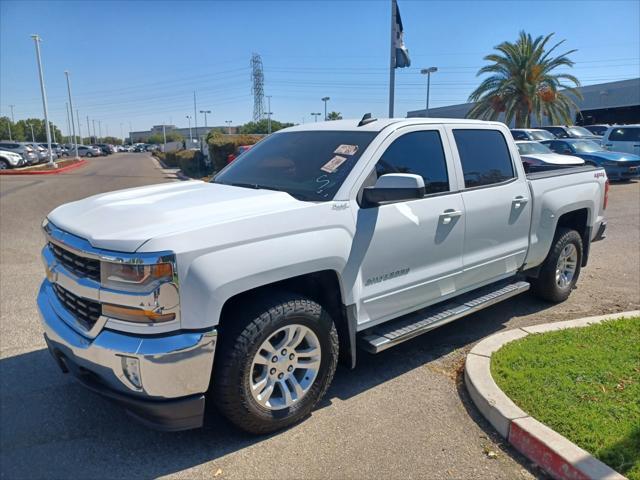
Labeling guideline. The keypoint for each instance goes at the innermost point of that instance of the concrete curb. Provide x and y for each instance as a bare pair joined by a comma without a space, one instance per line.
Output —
45,172
176,171
558,456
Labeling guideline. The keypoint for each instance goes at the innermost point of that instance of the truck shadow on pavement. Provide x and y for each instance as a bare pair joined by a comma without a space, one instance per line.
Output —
53,427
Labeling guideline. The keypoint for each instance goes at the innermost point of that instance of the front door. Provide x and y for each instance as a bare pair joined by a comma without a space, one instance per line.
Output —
412,251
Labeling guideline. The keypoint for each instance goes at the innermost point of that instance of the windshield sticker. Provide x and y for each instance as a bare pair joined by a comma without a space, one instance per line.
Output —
346,150
333,164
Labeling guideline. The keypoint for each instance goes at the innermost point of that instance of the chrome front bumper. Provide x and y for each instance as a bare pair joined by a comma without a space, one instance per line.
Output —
171,366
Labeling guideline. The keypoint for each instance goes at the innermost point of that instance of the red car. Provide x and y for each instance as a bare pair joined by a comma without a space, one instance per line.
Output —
240,150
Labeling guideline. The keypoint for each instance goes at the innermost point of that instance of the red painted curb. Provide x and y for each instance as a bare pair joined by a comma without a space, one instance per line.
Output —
544,456
44,172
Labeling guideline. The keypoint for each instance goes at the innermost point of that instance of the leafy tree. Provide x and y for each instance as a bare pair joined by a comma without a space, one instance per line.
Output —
21,131
522,83
112,140
158,138
334,116
263,126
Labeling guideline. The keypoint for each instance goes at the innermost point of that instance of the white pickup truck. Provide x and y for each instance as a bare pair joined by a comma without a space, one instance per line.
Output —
244,292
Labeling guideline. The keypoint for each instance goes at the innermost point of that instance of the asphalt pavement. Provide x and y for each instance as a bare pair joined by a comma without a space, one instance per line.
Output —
401,414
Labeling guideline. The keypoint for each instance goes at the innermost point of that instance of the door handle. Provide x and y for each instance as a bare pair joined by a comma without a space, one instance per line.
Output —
519,201
450,214
608,144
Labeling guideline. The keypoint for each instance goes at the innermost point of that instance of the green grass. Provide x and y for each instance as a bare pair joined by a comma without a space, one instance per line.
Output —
582,382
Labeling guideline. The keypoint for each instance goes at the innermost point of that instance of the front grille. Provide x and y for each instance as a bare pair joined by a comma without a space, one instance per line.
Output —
79,266
86,312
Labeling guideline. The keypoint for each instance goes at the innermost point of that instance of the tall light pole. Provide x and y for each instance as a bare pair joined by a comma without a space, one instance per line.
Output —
73,124
99,129
33,137
121,133
53,132
228,122
79,129
325,100
316,115
36,40
12,121
195,118
190,135
66,104
88,130
269,114
95,139
428,72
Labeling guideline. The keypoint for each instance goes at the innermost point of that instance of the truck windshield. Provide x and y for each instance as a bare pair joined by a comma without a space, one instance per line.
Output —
308,165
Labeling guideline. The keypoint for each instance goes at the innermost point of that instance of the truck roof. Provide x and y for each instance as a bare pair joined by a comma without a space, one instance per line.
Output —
381,123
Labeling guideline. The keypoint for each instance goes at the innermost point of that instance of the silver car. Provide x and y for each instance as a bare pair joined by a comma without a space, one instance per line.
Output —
28,153
43,156
10,160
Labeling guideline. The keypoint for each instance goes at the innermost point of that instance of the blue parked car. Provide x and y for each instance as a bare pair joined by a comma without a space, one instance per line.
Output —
618,165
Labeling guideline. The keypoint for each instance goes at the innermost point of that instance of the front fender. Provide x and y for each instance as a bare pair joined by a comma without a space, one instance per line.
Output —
214,277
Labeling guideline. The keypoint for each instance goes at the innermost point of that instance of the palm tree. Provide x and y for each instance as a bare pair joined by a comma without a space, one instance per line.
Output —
334,116
522,83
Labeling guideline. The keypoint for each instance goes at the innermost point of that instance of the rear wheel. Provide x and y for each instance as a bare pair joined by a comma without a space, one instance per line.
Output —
89,154
274,363
4,165
561,268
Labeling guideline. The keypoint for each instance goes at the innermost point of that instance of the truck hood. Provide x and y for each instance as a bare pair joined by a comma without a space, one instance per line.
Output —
124,220
555,158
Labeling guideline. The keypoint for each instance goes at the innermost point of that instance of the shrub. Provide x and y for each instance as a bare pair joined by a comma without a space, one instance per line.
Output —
191,162
221,146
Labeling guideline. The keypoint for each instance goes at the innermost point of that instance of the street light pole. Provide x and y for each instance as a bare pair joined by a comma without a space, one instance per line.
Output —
73,124
95,139
79,129
325,100
66,104
316,115
88,129
228,122
36,40
190,135
195,118
269,114
33,137
53,132
99,129
428,72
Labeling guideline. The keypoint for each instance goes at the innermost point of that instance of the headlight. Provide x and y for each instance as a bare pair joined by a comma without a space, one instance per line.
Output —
123,275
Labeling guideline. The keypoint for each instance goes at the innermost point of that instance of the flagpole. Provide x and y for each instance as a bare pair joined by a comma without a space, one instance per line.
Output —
392,61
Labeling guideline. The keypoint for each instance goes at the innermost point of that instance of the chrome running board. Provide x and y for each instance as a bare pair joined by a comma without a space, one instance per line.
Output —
394,332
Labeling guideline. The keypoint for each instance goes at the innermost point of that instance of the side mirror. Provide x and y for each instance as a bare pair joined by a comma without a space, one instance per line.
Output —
394,187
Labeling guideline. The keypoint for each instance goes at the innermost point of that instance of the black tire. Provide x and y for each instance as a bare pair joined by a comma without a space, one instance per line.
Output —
240,341
546,286
4,165
89,154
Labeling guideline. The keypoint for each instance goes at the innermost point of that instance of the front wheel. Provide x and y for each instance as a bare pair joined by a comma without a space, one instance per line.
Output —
561,268
89,154
3,165
275,363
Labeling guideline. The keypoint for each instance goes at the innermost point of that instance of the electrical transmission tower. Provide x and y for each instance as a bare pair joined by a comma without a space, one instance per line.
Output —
257,77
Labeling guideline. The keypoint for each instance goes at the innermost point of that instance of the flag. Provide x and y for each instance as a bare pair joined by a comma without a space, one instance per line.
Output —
402,54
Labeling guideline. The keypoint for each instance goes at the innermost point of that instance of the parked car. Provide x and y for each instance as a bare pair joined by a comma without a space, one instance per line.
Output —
597,130
570,131
105,148
55,147
534,134
320,239
618,165
28,153
11,160
43,156
89,151
139,148
622,138
239,151
536,156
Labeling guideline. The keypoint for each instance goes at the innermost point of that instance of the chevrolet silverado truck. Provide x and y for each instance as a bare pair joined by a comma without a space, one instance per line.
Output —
322,241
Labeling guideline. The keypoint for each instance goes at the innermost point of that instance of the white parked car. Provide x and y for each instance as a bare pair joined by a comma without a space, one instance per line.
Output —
622,138
536,156
245,291
533,134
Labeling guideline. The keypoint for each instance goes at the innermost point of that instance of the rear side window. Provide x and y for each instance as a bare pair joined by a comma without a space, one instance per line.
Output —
419,153
517,135
629,134
485,157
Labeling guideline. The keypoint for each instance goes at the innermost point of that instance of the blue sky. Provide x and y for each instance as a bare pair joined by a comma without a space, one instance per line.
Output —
139,62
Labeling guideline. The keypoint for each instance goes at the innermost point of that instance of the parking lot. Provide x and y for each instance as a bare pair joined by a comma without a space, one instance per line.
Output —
403,413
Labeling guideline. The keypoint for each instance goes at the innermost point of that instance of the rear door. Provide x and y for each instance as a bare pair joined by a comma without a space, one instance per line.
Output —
623,139
496,201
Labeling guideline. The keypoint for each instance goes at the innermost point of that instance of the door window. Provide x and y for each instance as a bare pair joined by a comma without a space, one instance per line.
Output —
485,157
420,153
625,135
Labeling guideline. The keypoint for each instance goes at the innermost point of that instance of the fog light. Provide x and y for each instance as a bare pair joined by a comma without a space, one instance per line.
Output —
131,369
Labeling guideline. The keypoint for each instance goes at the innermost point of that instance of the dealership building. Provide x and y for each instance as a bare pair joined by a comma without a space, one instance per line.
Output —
186,133
611,103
